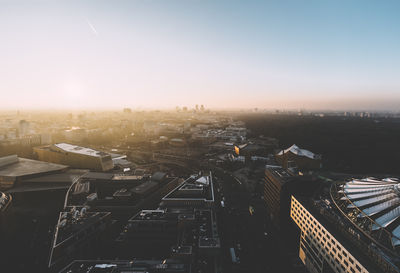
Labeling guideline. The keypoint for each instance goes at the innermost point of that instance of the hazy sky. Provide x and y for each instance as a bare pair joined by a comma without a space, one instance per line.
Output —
163,53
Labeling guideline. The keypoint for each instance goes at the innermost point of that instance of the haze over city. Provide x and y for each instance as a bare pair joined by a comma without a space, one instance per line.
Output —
223,54
199,136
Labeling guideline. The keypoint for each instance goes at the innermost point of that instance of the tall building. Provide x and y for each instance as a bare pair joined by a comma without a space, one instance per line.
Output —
320,250
75,156
276,197
23,128
352,228
279,185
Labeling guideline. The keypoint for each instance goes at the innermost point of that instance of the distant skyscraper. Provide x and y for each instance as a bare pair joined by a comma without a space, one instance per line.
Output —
23,128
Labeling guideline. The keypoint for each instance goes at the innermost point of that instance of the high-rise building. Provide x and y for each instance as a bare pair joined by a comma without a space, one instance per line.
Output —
23,128
276,198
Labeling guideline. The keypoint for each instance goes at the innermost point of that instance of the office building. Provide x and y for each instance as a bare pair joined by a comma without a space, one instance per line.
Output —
75,156
353,228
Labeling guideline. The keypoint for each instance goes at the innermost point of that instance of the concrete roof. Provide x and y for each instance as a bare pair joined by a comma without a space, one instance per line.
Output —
25,167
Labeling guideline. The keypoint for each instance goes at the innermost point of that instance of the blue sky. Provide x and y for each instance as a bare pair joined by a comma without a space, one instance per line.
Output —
223,54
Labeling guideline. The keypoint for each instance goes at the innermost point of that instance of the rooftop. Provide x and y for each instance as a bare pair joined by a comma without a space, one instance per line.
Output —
79,150
24,167
279,172
298,151
98,176
135,265
195,187
53,181
373,206
144,187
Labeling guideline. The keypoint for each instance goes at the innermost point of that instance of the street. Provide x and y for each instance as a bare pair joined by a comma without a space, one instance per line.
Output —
251,237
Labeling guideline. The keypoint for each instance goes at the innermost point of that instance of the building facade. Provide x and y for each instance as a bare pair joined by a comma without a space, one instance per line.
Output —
275,180
320,251
75,156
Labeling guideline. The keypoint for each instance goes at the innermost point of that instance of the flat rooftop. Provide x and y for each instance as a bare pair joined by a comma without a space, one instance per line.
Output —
68,176
98,176
144,187
25,167
133,265
195,187
279,172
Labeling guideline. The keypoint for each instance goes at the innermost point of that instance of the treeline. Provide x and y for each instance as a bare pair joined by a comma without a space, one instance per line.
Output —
353,145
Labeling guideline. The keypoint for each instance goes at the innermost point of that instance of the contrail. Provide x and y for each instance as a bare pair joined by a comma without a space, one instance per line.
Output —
92,27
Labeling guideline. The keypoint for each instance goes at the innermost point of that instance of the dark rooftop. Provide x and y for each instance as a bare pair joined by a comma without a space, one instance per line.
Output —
144,187
68,176
98,176
158,176
135,265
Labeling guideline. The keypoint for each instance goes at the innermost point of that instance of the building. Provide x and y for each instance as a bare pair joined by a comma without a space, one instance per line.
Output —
96,207
121,162
320,250
175,237
303,159
275,180
77,232
15,170
184,229
279,185
353,227
47,182
195,192
76,134
75,157
23,128
131,265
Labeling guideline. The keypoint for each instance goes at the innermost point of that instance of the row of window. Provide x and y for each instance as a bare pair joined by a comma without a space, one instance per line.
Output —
315,234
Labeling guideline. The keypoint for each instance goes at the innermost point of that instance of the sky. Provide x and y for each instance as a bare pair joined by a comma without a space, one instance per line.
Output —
336,55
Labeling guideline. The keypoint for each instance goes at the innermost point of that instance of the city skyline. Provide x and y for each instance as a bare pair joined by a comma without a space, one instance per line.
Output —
225,54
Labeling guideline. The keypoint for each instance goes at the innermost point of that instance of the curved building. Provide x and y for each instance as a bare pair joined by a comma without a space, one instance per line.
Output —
373,206
350,226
